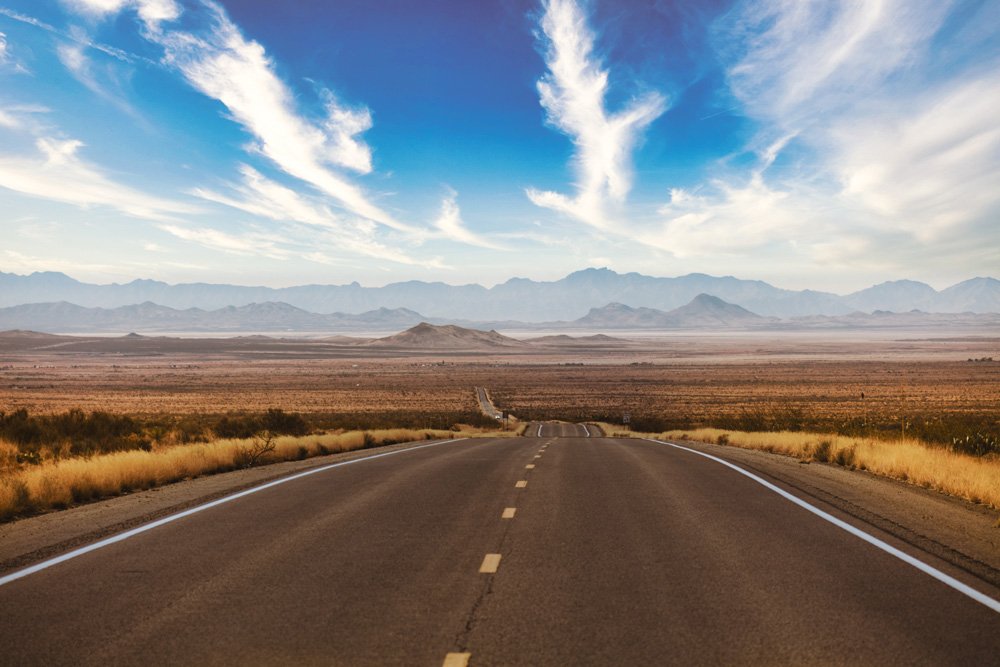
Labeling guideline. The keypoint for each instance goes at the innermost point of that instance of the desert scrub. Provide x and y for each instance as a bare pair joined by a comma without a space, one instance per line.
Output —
61,483
975,478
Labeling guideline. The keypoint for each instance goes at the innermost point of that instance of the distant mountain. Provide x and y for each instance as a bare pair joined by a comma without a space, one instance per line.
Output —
707,311
703,312
150,317
426,336
516,300
895,295
978,295
883,319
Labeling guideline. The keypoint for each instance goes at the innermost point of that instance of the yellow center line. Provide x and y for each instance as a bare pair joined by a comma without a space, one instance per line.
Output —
530,466
456,660
521,484
490,564
508,513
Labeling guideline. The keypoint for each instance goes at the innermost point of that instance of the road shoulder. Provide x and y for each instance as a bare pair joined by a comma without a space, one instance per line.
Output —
960,533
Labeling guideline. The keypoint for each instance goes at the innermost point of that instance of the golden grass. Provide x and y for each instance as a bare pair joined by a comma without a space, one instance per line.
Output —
972,478
64,482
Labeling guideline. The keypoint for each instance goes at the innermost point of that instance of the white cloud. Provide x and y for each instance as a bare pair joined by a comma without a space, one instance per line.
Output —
249,244
929,167
797,62
452,227
237,72
7,59
896,153
57,173
262,197
8,120
150,11
102,80
573,95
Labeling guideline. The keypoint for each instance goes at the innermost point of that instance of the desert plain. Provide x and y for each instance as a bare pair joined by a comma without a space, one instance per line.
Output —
822,379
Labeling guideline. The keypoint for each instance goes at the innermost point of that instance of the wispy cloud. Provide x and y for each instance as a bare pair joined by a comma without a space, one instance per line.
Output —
573,95
7,59
252,243
895,152
451,226
57,172
75,35
150,11
224,65
794,63
103,81
265,198
220,62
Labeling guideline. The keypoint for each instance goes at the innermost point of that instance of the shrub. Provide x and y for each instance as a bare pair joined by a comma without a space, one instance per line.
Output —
821,452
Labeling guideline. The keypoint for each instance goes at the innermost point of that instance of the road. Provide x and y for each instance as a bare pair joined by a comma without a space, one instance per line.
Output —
486,405
616,552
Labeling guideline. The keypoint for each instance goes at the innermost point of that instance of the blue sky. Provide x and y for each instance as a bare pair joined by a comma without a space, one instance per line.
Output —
822,145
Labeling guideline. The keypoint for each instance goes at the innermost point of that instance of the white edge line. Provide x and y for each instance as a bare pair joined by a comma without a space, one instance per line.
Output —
120,537
857,532
585,429
539,431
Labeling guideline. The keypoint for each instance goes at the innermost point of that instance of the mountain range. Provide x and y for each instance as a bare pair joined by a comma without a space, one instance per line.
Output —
517,299
703,312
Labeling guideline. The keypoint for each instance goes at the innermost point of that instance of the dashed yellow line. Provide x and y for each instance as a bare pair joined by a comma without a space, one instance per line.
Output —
508,513
530,466
490,564
456,660
521,484
538,456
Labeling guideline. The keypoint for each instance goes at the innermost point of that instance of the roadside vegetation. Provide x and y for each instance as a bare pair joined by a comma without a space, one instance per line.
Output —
55,461
962,469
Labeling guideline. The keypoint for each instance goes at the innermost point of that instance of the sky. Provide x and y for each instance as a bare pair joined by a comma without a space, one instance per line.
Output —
824,145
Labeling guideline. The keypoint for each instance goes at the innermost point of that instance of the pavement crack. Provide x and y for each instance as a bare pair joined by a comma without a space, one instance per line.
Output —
462,638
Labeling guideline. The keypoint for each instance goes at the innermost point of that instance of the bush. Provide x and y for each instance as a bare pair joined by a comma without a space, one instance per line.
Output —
822,451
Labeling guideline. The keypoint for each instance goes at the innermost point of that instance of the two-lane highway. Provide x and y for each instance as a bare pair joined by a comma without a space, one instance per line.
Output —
564,548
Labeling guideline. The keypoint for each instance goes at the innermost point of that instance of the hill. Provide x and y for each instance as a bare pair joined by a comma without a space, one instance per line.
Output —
426,336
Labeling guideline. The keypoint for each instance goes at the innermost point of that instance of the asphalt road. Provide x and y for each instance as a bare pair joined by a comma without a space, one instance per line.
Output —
618,553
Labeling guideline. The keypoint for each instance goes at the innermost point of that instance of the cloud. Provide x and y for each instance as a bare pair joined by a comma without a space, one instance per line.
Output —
8,120
222,64
263,197
18,116
793,63
887,121
150,11
7,59
451,226
103,81
573,95
250,244
930,165
57,173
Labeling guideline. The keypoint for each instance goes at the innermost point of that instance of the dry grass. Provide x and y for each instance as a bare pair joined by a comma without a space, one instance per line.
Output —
62,483
976,479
